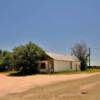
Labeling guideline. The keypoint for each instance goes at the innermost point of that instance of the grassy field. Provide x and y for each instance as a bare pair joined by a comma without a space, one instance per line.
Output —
78,72
57,73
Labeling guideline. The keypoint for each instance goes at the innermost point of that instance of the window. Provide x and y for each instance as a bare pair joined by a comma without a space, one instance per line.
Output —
43,65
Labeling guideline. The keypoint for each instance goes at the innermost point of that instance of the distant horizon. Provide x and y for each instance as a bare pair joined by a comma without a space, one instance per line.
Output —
93,63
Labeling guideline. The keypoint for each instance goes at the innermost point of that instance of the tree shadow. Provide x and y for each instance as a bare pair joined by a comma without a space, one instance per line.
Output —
20,74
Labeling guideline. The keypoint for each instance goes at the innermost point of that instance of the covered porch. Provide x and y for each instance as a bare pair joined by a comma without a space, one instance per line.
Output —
46,66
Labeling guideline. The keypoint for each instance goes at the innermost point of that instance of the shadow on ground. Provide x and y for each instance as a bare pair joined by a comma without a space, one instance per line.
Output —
20,74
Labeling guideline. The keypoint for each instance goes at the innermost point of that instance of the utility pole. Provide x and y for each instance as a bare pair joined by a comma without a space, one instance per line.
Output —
89,57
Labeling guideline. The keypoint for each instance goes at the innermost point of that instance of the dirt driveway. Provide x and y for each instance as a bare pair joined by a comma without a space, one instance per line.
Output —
9,85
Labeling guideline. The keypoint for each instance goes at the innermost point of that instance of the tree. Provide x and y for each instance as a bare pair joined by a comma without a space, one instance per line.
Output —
80,50
4,60
26,57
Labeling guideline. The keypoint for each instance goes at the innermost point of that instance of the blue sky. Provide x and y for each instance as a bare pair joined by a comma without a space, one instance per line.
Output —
55,25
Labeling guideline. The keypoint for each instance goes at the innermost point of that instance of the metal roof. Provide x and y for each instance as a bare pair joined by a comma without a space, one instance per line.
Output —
62,57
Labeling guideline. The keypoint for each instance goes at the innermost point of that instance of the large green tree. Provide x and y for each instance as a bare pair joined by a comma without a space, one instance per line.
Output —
26,57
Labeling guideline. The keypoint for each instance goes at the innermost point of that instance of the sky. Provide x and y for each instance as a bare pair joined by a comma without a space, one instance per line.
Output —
55,25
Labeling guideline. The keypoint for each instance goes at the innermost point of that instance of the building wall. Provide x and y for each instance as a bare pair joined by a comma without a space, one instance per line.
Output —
66,66
50,65
76,66
61,66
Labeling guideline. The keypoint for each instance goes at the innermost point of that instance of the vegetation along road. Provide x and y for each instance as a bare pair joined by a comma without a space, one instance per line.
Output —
87,88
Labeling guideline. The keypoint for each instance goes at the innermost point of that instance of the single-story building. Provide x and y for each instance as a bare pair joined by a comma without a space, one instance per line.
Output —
58,62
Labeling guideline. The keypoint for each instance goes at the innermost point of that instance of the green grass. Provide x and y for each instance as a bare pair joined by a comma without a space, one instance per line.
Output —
58,73
78,72
8,72
92,71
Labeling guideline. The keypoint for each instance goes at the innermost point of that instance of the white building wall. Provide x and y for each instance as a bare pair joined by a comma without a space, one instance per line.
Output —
75,65
61,65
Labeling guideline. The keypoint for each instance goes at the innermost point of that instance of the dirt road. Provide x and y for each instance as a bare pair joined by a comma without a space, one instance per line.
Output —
87,88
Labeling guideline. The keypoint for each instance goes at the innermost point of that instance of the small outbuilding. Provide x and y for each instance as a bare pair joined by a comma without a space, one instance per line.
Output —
59,63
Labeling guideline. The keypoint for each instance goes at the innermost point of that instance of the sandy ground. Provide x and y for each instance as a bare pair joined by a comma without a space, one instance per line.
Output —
9,85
